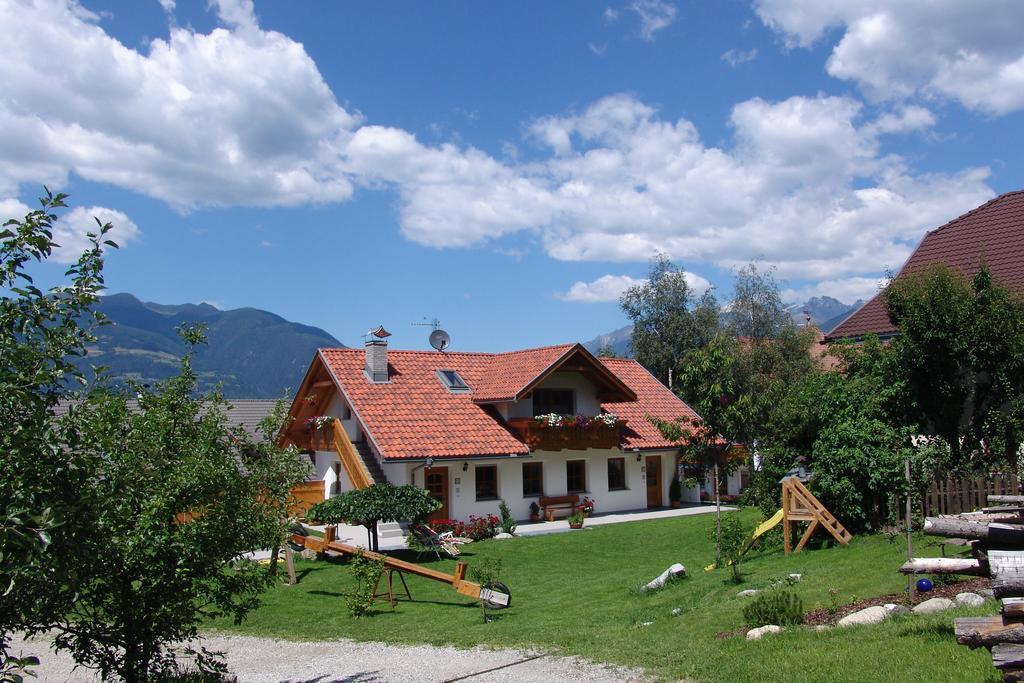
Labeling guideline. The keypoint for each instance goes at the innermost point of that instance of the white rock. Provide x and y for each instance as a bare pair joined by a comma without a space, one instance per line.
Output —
676,611
934,605
758,633
869,615
646,623
969,599
503,536
796,577
895,610
823,627
987,593
676,571
749,593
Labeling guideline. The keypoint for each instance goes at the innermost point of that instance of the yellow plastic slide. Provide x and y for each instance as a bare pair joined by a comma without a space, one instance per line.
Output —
762,528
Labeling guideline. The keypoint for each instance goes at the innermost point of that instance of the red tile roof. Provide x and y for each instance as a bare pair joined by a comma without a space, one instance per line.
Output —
415,416
653,398
511,372
993,233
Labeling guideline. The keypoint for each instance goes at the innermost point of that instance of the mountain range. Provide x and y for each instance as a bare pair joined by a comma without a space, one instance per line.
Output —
251,353
824,311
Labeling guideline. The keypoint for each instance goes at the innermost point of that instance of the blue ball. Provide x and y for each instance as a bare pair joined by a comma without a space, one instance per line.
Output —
924,585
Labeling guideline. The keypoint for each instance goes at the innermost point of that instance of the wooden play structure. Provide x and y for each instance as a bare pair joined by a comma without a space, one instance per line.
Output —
497,597
800,505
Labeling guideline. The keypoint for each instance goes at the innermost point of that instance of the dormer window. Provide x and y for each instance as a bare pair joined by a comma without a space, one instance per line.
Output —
452,381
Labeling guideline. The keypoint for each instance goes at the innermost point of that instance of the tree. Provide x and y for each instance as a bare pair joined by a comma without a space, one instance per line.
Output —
667,321
606,351
756,310
168,499
708,385
961,352
376,503
39,333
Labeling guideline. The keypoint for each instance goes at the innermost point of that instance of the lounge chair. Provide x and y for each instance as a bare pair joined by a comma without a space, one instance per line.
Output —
433,541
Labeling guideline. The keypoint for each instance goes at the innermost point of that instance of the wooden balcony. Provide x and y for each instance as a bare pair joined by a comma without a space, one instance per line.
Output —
542,438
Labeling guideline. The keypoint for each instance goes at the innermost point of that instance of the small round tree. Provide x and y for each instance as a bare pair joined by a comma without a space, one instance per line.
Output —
376,503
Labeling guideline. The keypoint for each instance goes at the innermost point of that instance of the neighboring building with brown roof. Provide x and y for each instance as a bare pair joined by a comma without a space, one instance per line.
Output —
993,233
463,426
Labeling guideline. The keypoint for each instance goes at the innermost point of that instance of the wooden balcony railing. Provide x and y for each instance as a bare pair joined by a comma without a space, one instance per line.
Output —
543,438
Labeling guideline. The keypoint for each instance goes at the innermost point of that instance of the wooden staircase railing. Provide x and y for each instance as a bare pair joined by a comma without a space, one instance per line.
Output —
350,459
800,505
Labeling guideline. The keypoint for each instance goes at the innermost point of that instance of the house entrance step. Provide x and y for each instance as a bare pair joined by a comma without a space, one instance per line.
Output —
389,530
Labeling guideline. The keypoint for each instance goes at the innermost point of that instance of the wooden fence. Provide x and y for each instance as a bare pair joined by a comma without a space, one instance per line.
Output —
950,496
306,495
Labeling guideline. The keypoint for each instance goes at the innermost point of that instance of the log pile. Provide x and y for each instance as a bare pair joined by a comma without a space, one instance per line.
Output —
997,549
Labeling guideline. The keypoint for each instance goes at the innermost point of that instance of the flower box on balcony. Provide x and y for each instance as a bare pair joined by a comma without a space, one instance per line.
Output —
570,432
320,429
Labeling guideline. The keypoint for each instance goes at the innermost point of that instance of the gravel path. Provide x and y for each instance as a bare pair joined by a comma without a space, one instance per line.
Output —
264,660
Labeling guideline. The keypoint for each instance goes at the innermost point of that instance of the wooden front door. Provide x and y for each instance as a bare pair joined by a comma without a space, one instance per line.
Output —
654,481
437,486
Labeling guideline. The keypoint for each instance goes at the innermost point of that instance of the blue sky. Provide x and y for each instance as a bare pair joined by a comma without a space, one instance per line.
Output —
507,168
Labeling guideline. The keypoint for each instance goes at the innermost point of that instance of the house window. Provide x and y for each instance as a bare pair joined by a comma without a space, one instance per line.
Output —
546,401
533,479
576,476
452,381
616,474
346,412
486,482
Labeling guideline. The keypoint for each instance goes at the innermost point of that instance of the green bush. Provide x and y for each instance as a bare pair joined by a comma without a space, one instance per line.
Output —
781,608
508,522
367,573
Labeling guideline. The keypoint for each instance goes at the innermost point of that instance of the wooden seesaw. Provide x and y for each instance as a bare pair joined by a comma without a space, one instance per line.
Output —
493,597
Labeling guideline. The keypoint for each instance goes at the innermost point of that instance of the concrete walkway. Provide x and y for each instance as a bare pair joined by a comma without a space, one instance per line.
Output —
561,525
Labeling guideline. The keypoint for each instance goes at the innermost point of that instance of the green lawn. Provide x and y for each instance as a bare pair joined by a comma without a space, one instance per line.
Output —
575,593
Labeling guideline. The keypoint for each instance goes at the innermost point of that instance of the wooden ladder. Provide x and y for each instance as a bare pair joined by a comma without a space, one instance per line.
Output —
800,505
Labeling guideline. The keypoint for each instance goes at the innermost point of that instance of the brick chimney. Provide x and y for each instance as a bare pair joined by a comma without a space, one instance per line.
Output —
377,354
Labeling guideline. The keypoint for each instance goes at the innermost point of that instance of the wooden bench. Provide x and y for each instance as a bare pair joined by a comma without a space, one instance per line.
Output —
552,503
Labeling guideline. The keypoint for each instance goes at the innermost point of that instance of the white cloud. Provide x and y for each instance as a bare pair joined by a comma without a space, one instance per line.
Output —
611,15
242,116
736,57
966,51
848,290
608,288
598,49
654,15
70,231
237,116
168,5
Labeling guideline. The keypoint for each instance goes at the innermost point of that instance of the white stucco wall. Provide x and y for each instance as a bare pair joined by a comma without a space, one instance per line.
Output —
462,500
325,472
338,409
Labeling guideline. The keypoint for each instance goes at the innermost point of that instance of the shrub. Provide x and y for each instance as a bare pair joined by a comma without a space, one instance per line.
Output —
781,608
367,573
477,528
508,522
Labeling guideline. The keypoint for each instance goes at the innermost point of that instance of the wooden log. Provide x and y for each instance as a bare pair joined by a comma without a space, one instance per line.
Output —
1001,500
977,632
1013,608
995,534
945,565
1013,676
1007,569
998,509
1008,656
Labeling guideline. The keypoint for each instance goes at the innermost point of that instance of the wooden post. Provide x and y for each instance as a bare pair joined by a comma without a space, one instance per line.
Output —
786,542
289,563
718,520
911,588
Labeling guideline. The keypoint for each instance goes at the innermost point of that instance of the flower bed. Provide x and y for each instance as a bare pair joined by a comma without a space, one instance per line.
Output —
477,528
574,432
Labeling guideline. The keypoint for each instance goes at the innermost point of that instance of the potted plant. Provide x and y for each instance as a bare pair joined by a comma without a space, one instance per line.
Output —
587,506
576,520
534,512
675,492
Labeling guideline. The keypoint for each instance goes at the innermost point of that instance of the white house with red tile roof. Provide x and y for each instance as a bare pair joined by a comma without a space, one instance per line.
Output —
463,426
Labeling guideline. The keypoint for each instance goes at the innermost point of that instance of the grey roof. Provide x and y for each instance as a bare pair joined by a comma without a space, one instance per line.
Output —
242,412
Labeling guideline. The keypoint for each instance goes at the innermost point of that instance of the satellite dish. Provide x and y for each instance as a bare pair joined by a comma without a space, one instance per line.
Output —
440,340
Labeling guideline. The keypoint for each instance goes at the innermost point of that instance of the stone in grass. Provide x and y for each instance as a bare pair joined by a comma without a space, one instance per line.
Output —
503,536
749,593
758,633
823,627
934,605
969,599
796,577
875,614
987,593
896,610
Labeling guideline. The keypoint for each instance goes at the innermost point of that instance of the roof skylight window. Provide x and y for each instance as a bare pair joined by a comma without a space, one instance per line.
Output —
452,381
